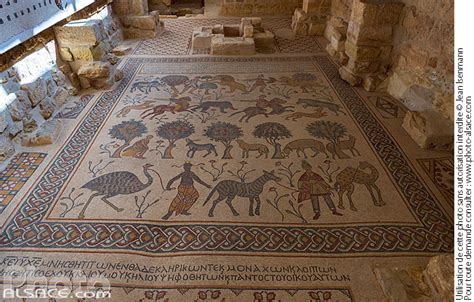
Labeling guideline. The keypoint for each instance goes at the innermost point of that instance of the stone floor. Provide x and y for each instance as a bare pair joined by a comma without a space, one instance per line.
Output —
129,191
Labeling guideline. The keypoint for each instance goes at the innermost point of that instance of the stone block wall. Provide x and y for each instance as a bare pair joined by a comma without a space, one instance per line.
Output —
369,41
336,29
28,107
404,47
137,21
423,55
85,46
256,7
34,89
312,18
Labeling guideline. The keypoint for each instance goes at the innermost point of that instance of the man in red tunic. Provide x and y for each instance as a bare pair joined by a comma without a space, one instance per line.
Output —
312,186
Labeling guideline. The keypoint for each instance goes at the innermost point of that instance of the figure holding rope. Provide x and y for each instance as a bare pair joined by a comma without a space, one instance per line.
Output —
312,186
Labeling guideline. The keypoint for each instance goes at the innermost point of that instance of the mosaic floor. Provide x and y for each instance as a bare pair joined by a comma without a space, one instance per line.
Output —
200,178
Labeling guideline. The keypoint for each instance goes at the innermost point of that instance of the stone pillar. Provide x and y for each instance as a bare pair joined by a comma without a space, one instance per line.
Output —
137,21
84,46
336,29
311,19
369,41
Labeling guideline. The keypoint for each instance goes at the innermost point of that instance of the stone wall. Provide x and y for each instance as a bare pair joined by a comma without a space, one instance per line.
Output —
404,47
423,55
254,7
33,89
9,58
85,48
136,19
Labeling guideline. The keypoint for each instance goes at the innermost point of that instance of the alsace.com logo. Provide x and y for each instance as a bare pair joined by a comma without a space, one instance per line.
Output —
15,285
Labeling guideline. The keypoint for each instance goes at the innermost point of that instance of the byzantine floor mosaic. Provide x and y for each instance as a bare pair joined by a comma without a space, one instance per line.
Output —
200,178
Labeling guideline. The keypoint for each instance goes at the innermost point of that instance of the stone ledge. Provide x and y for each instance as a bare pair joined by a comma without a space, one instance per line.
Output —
429,129
221,45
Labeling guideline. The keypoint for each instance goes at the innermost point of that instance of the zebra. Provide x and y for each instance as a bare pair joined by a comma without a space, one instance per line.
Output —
193,148
230,188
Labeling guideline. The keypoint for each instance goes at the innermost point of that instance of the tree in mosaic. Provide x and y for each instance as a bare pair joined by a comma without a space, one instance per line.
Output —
224,133
172,132
331,131
126,131
272,133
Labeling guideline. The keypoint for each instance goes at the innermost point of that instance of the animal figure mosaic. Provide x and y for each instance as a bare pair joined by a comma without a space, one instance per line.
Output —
174,81
306,81
346,179
125,111
342,145
146,87
222,106
318,113
181,105
138,149
277,107
230,82
247,148
320,104
301,145
229,189
116,183
194,147
251,112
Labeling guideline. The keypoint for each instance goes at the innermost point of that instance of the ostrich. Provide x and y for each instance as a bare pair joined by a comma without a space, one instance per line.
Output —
117,183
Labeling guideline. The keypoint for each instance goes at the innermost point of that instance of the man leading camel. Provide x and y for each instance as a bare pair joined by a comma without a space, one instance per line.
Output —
312,186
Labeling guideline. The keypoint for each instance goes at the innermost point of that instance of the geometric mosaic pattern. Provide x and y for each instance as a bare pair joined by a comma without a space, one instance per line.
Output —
16,174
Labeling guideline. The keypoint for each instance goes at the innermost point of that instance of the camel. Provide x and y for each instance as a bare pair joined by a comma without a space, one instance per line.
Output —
346,179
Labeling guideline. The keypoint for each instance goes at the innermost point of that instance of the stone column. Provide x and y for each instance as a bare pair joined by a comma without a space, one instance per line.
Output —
311,19
85,47
369,41
137,21
336,29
